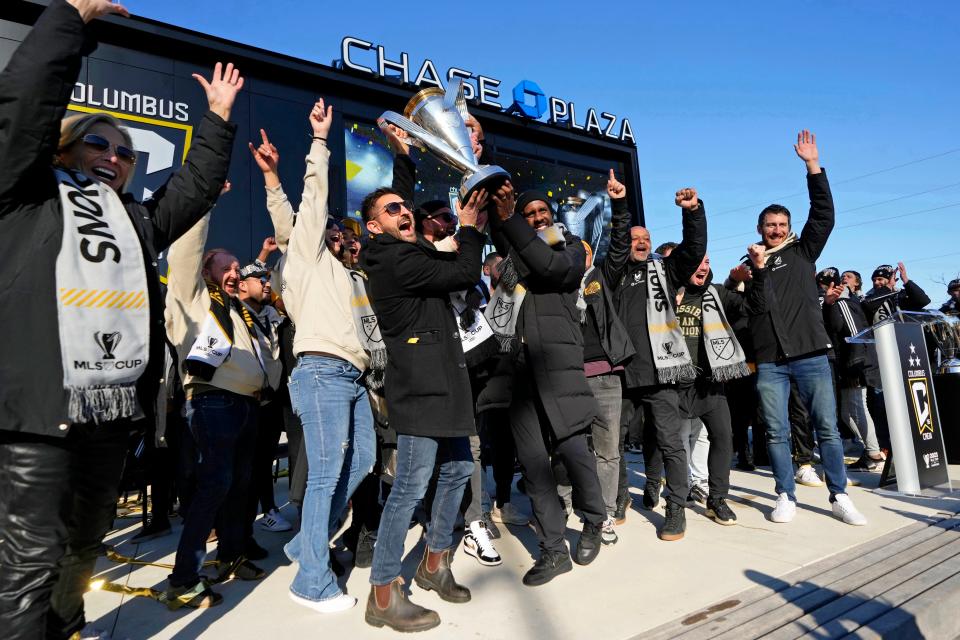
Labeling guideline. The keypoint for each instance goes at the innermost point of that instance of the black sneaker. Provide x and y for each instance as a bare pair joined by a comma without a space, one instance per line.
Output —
196,596
697,495
721,513
253,551
865,463
363,553
241,568
588,546
651,495
675,524
548,566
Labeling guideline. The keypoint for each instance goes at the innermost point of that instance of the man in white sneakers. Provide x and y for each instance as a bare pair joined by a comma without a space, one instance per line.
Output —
791,342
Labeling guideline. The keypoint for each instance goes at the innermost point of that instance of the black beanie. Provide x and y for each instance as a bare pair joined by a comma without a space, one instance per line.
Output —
529,196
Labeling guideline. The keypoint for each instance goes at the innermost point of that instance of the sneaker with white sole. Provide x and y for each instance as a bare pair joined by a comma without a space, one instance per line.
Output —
807,476
608,532
785,509
273,521
509,514
477,543
844,510
335,604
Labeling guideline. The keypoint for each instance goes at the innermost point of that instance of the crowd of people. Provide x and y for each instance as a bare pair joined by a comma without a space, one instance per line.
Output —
401,356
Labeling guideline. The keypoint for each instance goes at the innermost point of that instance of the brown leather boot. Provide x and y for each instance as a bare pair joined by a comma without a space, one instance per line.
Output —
434,574
388,605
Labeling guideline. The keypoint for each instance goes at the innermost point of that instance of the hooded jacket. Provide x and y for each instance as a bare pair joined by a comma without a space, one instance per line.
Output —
34,91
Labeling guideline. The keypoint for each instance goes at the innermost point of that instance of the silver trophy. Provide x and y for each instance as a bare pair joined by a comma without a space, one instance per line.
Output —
436,120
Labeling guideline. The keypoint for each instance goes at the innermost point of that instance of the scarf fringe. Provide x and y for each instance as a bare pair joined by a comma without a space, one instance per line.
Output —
378,369
102,404
730,372
677,373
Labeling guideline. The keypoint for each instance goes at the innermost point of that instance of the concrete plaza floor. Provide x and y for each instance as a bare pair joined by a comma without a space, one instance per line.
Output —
633,586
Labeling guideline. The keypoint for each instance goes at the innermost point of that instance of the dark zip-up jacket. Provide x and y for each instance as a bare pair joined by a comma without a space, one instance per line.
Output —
879,305
855,363
612,335
34,91
792,326
630,290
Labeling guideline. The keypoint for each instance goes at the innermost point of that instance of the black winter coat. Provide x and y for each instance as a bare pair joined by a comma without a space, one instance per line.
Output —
601,310
630,290
35,88
856,363
792,326
879,304
427,386
548,326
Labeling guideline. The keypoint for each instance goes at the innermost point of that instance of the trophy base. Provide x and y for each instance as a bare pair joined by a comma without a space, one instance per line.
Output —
488,177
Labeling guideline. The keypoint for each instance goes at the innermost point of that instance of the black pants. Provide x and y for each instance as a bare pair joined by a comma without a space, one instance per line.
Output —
742,401
535,443
58,499
800,431
662,432
707,401
496,424
269,427
632,419
878,411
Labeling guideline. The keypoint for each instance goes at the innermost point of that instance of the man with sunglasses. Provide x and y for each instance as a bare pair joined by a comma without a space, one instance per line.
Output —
435,221
428,393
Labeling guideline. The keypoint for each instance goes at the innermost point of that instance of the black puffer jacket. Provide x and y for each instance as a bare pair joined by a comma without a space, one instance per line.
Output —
34,91
549,328
792,326
427,387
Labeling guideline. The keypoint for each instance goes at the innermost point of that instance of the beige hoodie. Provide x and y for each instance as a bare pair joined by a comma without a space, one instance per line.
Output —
315,286
187,308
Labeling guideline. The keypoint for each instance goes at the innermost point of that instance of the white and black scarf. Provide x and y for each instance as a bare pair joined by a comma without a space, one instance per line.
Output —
103,311
213,344
667,344
724,353
368,329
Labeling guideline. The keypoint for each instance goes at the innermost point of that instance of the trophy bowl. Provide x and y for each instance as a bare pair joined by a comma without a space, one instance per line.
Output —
435,120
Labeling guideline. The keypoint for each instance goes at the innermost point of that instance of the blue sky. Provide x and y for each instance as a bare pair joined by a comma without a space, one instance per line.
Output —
715,93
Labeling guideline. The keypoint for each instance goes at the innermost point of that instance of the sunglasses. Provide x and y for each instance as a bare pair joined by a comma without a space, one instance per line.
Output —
395,208
101,144
445,215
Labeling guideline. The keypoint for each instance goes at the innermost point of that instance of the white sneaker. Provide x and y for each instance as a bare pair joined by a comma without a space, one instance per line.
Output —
335,604
785,509
608,534
477,543
509,514
273,521
843,509
807,476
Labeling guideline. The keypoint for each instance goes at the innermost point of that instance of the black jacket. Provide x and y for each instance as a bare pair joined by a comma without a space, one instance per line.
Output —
792,325
427,386
855,363
548,326
606,325
629,280
879,304
34,92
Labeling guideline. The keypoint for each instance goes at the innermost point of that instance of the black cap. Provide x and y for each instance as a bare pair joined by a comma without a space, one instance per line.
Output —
883,271
830,275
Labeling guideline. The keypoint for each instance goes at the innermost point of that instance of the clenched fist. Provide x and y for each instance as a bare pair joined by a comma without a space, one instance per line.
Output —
758,255
687,199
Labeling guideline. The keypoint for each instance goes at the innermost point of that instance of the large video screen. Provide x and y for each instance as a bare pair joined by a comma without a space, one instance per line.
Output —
578,195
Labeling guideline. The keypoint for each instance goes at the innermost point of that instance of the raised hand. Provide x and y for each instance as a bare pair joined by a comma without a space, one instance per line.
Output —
832,293
687,199
321,119
741,273
505,200
758,256
615,188
396,137
269,244
476,145
902,270
806,149
476,135
93,9
266,155
221,89
469,212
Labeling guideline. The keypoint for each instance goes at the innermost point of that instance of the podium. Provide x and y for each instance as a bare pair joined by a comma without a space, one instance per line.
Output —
919,454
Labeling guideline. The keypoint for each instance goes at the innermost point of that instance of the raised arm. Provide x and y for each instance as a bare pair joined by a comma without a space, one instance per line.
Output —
618,251
912,297
267,158
404,168
185,262
193,189
686,258
35,88
307,237
820,221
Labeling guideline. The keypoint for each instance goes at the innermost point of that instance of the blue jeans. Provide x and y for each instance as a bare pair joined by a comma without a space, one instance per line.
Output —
815,383
416,456
221,437
339,442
